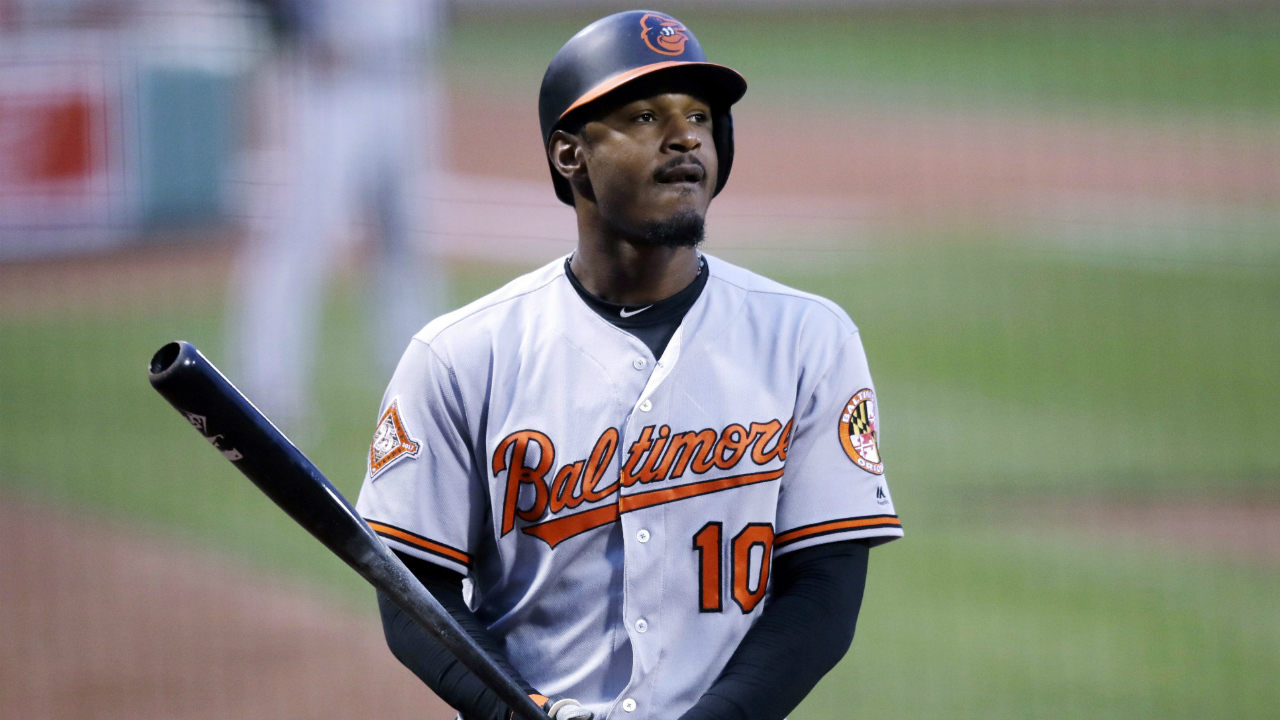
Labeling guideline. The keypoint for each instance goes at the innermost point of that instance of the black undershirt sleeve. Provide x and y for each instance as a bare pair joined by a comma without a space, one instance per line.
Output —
805,628
435,665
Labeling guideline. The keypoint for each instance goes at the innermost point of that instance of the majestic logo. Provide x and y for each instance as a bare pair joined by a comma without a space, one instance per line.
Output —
663,34
390,441
882,497
858,431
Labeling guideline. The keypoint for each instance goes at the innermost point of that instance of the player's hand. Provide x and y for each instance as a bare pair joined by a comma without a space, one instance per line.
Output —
566,709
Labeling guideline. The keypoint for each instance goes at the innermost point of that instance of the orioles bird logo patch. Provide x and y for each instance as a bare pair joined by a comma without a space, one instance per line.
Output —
858,431
390,441
663,34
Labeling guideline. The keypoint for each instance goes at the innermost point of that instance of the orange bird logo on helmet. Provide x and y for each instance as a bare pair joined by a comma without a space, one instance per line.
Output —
663,34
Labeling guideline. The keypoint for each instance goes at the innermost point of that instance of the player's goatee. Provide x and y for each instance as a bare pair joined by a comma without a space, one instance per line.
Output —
686,229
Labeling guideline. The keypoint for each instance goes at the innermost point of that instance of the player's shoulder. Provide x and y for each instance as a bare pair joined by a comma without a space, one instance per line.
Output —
492,312
764,295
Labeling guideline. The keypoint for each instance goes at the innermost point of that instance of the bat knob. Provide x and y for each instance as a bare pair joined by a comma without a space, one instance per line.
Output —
167,357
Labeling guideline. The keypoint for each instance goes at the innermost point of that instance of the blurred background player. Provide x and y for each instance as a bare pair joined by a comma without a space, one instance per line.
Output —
355,104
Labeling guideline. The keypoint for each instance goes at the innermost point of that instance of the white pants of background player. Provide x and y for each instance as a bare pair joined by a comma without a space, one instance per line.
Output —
357,145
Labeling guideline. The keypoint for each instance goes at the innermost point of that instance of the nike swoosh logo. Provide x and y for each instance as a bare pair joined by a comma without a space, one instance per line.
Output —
623,312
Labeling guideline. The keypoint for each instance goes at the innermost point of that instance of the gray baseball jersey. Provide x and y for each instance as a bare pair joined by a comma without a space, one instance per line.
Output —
617,514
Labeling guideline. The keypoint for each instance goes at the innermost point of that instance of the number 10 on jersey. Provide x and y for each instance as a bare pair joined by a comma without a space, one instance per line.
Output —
750,553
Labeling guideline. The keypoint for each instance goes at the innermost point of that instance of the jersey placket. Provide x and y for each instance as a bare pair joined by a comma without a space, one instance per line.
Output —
645,546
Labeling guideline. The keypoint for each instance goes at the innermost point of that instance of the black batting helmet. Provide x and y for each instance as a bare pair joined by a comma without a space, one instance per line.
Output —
619,49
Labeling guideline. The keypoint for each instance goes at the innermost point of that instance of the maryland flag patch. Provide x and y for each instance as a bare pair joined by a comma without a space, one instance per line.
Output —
391,441
858,431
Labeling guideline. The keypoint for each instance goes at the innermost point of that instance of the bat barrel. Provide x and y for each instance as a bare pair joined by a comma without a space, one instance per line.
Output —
234,427
238,430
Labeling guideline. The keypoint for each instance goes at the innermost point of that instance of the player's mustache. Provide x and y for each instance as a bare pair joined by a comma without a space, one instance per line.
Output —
682,168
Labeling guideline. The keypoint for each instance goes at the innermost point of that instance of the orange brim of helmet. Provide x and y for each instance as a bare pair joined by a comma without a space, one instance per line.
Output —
736,85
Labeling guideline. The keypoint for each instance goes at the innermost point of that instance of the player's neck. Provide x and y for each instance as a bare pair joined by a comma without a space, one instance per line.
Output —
628,273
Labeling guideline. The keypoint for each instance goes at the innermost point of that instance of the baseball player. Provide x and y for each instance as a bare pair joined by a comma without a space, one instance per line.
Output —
358,99
645,480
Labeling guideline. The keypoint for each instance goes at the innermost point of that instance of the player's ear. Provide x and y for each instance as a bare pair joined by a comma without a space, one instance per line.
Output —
568,155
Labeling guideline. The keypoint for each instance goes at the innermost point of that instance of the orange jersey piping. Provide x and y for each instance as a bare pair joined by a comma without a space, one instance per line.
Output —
835,526
417,541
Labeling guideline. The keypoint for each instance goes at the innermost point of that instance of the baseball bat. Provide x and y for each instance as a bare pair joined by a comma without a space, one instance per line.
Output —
237,429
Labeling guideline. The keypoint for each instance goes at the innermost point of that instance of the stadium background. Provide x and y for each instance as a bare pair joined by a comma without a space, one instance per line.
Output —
1057,224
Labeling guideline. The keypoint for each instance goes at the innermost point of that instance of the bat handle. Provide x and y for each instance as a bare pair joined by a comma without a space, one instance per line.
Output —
389,575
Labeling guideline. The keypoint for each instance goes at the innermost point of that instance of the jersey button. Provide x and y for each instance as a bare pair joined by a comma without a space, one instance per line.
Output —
642,625
646,406
643,536
629,705
639,363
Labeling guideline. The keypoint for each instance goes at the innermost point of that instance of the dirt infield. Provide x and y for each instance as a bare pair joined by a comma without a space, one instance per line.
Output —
911,157
147,278
99,622
1234,530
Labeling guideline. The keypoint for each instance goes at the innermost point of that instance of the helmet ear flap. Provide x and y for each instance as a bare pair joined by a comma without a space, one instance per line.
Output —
572,122
722,136
563,190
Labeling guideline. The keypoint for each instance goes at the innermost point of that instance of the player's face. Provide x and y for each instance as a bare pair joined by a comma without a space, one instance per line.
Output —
652,160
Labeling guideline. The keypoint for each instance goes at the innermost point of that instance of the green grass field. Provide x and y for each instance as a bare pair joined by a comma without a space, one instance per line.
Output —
1012,369
978,622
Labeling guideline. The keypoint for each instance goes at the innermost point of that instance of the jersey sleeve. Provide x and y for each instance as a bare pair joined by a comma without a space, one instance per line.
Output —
422,492
833,487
